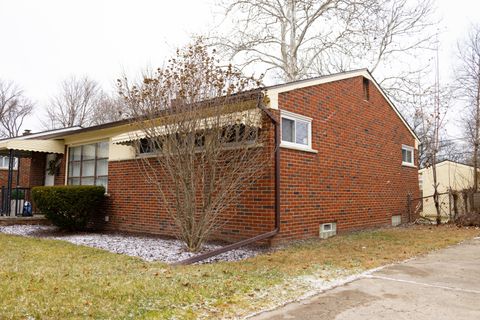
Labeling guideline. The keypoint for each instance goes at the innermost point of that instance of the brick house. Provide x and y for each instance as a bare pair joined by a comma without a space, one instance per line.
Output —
347,160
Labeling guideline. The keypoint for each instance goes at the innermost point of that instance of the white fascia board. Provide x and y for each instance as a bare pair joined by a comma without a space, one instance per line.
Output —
273,91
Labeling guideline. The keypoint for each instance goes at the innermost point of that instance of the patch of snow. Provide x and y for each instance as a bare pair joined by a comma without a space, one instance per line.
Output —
144,247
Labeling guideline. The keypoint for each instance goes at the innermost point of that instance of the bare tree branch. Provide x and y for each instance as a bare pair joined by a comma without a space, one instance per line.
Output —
14,107
200,142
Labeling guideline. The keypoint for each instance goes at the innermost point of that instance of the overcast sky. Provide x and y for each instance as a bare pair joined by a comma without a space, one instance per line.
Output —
43,42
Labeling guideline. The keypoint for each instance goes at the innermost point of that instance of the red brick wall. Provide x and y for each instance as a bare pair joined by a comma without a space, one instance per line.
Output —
134,205
356,179
24,174
37,169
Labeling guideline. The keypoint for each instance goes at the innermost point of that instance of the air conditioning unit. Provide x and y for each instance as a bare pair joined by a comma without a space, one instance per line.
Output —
396,220
328,230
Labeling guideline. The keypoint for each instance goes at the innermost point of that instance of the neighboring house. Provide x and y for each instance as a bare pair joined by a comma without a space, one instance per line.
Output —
450,176
347,157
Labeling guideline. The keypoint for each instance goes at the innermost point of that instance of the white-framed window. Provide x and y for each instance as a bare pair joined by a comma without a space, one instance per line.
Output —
296,130
88,164
407,156
4,163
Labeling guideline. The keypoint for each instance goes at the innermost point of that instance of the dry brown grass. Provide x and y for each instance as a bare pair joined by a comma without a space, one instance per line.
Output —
48,279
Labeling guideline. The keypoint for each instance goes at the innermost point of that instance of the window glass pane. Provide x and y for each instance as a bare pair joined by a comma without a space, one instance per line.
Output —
301,130
74,181
409,156
75,153
74,169
88,181
88,168
102,151
102,181
102,167
88,152
288,130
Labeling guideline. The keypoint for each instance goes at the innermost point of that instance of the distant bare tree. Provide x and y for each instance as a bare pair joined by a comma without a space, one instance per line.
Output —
14,107
468,89
304,38
108,109
431,116
82,102
202,137
74,104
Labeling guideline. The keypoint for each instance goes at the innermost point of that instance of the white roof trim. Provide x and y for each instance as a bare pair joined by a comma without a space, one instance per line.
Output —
273,91
41,134
447,162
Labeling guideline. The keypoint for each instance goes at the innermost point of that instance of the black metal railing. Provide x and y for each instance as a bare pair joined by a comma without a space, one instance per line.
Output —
13,201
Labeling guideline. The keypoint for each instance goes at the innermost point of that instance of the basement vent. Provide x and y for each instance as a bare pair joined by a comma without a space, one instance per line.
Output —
396,220
328,230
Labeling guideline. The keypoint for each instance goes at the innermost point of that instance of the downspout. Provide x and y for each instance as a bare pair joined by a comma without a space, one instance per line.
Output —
262,236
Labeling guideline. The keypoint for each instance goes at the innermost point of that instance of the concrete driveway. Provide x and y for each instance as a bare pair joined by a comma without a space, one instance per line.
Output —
442,285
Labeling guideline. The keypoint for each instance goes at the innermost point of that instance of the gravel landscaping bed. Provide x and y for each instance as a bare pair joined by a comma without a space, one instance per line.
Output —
147,248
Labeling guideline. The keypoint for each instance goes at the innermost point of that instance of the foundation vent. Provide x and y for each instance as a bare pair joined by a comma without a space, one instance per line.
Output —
328,230
396,220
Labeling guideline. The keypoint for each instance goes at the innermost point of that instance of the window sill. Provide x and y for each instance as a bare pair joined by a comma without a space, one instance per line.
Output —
406,164
299,148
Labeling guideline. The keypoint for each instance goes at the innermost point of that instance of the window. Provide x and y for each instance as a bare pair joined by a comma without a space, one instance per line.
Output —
88,164
239,134
407,156
4,163
296,130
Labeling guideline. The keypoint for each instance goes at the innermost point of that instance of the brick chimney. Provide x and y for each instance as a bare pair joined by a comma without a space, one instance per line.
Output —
26,132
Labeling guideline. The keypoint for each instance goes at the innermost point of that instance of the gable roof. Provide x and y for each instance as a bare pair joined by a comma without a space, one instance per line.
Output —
273,91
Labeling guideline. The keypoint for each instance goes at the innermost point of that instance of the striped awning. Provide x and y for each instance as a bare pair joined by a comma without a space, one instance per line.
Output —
252,117
48,146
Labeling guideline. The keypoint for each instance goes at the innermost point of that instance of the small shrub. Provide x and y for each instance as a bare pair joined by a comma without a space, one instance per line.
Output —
18,194
68,207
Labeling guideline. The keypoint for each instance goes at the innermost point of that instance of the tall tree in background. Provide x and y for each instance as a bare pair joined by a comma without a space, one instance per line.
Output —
432,109
108,108
14,107
302,38
468,88
74,103
82,102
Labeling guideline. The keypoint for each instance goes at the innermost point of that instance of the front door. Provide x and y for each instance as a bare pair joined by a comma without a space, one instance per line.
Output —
49,178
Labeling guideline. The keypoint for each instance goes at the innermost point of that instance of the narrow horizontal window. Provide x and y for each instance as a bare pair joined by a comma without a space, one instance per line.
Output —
4,161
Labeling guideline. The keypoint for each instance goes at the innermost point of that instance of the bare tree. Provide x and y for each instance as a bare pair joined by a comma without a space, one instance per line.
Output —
201,130
468,89
302,38
108,108
74,104
432,111
14,107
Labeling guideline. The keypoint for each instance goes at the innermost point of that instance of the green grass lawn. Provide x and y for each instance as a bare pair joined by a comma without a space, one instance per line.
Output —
50,279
